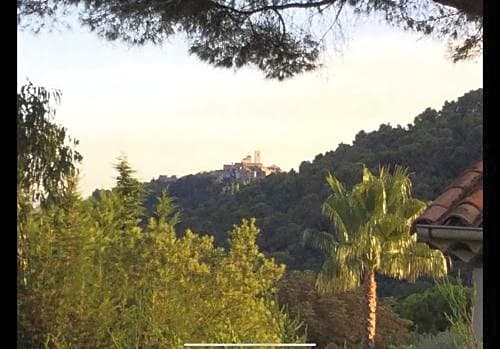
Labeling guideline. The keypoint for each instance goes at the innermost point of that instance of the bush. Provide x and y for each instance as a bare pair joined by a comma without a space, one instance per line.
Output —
428,310
449,339
460,300
88,280
336,321
451,303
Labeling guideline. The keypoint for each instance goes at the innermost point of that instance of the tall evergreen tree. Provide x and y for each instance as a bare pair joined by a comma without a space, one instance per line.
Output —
130,192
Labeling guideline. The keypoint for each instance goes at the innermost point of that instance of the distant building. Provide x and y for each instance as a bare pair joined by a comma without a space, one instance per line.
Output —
257,157
248,169
166,179
273,169
247,160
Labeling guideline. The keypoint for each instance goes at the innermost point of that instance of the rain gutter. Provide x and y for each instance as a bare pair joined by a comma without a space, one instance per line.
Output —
445,232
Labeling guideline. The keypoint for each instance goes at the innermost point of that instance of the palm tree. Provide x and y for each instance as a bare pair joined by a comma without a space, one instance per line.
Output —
372,235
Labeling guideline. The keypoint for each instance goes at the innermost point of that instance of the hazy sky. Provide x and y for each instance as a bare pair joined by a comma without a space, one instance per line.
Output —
171,114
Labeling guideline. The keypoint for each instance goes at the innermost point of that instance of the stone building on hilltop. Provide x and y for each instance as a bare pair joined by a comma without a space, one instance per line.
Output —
247,169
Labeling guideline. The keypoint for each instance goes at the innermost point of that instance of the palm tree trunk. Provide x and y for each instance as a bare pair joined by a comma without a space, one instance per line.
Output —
370,288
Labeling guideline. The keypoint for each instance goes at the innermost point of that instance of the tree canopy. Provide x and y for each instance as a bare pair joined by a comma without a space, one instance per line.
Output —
280,37
89,277
46,155
436,147
333,320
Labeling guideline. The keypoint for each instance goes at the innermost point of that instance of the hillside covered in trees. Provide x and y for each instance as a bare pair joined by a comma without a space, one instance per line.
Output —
436,147
104,272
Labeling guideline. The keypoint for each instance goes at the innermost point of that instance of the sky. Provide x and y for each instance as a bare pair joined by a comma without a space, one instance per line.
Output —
171,114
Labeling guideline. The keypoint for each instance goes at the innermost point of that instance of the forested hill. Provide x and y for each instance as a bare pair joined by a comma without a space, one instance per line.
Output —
436,148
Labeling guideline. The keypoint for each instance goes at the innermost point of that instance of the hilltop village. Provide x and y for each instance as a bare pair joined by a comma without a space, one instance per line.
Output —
247,169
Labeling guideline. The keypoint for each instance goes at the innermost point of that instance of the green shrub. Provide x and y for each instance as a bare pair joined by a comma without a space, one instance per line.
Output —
449,339
429,310
92,277
336,321
459,299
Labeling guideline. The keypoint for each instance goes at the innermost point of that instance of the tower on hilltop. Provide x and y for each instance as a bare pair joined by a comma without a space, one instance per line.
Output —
256,157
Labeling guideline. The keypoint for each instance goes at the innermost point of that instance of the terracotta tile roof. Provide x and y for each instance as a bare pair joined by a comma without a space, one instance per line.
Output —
461,203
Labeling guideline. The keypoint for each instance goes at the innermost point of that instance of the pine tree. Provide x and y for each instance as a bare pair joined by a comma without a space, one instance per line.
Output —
131,194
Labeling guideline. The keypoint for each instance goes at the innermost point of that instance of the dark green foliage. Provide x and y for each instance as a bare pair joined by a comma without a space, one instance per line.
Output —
46,164
337,319
460,301
46,157
130,192
282,38
398,289
89,278
167,212
427,310
436,148
449,339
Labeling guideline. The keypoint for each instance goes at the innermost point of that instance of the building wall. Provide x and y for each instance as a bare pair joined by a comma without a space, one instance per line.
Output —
477,316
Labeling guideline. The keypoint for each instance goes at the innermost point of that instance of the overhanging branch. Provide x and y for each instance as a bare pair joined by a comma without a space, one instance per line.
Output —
469,7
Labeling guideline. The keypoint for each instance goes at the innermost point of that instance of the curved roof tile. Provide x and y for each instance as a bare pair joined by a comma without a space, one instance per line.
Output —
461,203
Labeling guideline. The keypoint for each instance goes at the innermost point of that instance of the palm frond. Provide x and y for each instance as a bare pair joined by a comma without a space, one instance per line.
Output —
343,208
398,187
336,217
414,260
319,239
374,221
335,184
411,209
335,277
370,194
